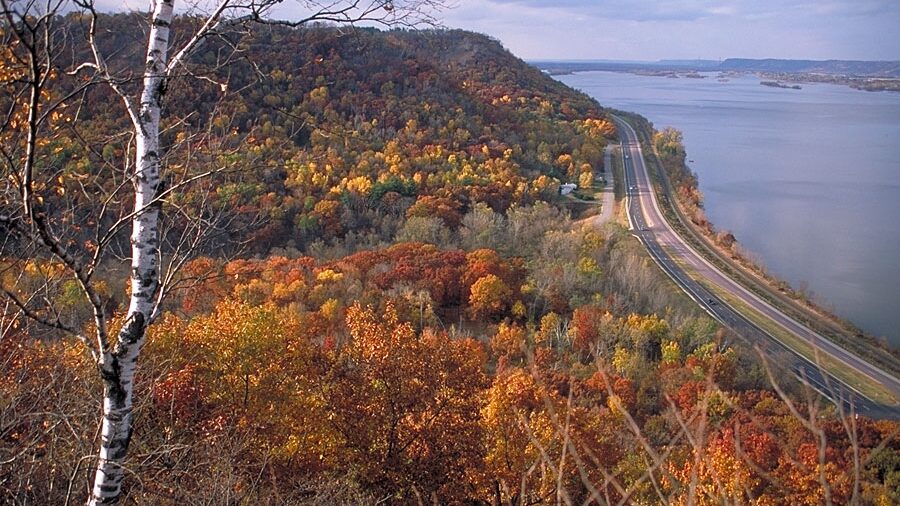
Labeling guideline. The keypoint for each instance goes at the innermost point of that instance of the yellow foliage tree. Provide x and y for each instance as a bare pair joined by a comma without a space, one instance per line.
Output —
255,365
489,296
508,341
586,178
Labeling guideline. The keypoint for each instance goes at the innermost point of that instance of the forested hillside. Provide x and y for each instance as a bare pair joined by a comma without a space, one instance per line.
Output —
389,302
325,132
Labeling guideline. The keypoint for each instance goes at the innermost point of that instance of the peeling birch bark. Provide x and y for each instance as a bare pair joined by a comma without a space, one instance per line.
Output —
118,365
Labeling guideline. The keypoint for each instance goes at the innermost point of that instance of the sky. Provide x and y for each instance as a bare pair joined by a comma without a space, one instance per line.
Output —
661,29
686,29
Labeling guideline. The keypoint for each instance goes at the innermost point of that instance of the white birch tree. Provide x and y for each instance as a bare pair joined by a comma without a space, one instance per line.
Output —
32,30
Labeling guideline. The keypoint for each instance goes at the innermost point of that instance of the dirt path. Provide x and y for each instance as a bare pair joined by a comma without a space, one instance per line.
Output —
606,195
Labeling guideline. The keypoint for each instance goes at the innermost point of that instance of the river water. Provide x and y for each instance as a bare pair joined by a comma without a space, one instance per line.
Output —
807,180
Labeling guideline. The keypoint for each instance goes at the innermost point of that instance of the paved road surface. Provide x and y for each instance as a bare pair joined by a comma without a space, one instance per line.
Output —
651,228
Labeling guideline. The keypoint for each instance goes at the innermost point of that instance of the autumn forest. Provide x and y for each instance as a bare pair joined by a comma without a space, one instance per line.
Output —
367,288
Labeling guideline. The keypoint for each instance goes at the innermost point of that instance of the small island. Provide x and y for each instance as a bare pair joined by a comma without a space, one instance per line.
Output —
779,84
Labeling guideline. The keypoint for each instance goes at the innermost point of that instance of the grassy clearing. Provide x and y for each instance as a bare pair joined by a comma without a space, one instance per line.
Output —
618,172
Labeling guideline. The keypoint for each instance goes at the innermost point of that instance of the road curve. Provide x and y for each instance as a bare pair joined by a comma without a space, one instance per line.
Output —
661,241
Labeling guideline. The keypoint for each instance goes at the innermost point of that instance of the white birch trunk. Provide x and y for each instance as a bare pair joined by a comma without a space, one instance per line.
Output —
117,366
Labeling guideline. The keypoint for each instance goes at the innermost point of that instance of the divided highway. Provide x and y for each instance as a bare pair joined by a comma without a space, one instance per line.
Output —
648,224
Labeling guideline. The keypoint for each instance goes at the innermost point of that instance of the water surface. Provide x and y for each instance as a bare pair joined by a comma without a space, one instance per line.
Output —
807,180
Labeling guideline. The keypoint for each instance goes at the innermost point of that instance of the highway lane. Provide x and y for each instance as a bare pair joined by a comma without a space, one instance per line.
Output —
651,228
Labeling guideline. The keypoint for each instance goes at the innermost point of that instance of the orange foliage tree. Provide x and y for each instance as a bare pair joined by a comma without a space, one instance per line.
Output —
407,406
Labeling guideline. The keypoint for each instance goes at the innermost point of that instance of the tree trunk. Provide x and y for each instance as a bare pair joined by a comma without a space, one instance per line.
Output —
117,366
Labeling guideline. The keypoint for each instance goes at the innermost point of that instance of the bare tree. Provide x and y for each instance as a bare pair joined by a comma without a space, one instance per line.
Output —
38,230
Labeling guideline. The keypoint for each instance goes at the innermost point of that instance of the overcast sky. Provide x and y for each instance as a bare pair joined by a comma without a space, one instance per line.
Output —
664,29
709,29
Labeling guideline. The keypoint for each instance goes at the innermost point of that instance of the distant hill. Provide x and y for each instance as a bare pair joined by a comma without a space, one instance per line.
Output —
839,67
692,64
852,68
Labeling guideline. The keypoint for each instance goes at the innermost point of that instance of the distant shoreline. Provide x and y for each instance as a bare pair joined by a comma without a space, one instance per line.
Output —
865,76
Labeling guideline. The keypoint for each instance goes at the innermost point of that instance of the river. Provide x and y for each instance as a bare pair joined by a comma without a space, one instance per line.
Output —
807,180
